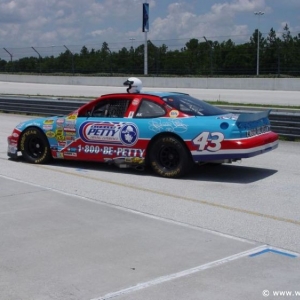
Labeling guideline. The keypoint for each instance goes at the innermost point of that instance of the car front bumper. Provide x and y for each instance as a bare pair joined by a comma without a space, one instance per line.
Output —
12,147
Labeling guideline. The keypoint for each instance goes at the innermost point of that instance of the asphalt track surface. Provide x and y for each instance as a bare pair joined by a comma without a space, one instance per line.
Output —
83,231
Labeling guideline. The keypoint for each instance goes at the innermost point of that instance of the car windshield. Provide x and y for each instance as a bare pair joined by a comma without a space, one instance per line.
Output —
192,106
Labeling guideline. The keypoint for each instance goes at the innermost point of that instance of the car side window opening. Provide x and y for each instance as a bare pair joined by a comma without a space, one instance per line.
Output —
150,109
192,106
110,109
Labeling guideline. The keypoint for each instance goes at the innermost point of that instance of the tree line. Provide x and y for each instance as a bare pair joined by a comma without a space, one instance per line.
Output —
279,56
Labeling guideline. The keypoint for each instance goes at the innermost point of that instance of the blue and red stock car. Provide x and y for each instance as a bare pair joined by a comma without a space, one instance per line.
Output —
168,131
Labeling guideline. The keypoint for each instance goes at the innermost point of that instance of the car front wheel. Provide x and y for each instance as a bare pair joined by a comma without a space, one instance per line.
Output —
34,146
169,157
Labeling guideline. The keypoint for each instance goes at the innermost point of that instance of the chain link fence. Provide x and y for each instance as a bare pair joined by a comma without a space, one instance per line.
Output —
201,56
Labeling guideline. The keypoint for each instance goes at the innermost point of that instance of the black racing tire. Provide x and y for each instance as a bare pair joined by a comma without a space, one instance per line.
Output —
169,157
34,146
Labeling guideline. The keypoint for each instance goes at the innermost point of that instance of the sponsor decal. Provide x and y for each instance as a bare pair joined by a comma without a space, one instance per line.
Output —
60,121
71,117
228,117
109,132
134,160
48,122
50,134
47,127
13,140
93,149
70,138
258,130
73,154
70,123
160,125
70,134
129,134
59,134
19,126
15,135
62,144
173,113
130,115
59,155
136,101
69,129
130,152
110,151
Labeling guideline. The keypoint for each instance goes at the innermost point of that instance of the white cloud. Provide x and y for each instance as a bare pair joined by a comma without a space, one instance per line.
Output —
44,23
40,21
182,21
230,8
49,36
104,32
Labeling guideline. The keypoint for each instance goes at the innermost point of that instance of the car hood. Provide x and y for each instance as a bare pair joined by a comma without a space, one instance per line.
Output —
39,122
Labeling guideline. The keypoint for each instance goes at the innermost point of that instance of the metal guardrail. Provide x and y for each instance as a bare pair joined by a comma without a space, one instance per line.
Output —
39,106
283,121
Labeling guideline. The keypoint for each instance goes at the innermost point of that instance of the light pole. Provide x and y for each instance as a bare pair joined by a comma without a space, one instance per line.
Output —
146,29
258,13
132,56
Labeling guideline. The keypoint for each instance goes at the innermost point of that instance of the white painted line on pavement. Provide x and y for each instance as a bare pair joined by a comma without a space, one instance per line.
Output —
181,274
217,233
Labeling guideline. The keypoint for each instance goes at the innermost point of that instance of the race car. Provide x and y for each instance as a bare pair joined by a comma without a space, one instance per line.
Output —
165,130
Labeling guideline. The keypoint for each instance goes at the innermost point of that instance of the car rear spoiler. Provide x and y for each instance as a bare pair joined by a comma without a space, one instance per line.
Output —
250,117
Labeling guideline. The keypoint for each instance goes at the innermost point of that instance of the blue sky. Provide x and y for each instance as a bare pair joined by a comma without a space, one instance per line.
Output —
54,23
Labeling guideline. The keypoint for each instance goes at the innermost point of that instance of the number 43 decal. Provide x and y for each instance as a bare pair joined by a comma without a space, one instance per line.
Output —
210,141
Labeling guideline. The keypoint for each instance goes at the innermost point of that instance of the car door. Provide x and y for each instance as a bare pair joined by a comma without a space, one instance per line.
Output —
147,111
103,133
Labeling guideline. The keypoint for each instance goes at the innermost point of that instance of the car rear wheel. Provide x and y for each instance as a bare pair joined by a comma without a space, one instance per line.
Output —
169,157
34,146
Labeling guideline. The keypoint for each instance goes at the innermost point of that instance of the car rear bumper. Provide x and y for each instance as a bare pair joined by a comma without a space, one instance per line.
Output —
240,148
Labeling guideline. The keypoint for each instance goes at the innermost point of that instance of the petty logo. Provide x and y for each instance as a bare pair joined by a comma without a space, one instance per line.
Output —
129,134
119,133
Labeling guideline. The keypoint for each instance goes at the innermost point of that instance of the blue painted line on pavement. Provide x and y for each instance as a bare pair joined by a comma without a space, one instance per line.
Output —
273,251
81,170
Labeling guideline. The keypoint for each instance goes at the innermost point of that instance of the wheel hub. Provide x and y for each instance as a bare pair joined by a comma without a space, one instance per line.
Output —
169,157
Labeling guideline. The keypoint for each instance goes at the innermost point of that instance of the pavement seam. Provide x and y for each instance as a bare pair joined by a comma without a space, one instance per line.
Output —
203,202
131,210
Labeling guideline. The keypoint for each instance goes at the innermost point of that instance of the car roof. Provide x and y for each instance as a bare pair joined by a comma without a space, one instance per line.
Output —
162,94
152,93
